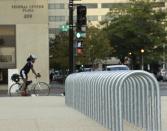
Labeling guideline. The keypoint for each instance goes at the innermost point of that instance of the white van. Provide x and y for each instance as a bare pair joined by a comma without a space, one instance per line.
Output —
117,67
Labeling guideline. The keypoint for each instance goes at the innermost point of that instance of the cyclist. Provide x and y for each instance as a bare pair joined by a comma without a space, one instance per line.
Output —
24,73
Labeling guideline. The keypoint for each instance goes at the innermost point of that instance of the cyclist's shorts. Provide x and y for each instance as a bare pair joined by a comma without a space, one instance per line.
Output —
22,74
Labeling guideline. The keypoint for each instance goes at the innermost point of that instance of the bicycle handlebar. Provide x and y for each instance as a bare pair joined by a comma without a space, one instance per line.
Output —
38,75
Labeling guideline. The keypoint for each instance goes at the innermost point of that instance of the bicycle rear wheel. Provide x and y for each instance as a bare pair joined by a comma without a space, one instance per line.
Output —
14,89
42,89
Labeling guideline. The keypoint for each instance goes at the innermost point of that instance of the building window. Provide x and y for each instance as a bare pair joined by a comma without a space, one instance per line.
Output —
3,76
7,51
7,36
5,58
74,19
115,5
56,18
56,6
92,18
54,30
91,5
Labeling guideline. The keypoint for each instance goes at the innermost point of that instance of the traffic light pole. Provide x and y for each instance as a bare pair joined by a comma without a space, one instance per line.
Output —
71,39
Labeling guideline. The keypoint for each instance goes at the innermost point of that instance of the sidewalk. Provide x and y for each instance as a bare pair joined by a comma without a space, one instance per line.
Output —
129,127
164,113
50,113
42,114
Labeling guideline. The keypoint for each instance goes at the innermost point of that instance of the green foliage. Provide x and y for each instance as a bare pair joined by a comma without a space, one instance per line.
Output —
59,51
96,46
140,26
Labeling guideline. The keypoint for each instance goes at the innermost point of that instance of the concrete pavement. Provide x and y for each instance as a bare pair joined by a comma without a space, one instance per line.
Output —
42,114
50,113
164,112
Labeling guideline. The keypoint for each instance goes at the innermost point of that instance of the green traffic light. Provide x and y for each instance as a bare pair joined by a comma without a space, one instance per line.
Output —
78,35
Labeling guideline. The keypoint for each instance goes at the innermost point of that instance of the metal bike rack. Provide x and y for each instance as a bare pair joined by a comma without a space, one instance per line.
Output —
109,97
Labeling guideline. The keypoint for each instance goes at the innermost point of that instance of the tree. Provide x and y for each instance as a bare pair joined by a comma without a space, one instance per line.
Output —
96,47
140,26
59,51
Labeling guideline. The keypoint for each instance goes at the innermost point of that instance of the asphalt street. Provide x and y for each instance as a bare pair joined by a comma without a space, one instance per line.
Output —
57,89
163,88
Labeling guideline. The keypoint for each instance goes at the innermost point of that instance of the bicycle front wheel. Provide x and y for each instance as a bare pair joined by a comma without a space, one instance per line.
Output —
14,89
42,89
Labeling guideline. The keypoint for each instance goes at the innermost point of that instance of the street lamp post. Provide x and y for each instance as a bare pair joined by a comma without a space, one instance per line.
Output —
71,35
164,66
142,59
131,62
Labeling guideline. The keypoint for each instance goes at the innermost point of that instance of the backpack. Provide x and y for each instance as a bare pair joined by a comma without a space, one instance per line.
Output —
15,77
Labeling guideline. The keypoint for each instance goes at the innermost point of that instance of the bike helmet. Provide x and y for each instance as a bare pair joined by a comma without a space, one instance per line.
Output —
31,57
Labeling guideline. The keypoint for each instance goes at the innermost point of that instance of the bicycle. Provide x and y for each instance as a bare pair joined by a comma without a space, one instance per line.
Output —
34,88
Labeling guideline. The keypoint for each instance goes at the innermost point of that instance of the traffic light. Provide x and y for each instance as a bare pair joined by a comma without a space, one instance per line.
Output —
80,44
79,51
80,35
81,16
79,47
80,28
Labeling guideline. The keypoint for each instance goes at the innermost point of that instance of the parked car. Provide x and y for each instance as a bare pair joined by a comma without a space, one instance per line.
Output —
162,75
87,69
117,67
57,76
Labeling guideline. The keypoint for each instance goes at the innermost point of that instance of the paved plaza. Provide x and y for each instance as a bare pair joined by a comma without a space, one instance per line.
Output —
47,113
50,113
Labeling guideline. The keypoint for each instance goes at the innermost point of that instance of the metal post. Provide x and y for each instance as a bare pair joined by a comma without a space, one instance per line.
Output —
110,98
142,61
164,66
71,50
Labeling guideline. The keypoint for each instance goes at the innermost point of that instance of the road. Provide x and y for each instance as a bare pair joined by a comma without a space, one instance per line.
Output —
57,89
163,88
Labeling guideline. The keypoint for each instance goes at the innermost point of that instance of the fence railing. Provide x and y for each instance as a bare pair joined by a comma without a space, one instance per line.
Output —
111,97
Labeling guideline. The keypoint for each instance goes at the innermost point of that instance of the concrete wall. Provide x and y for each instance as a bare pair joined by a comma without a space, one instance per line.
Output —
23,11
32,39
31,20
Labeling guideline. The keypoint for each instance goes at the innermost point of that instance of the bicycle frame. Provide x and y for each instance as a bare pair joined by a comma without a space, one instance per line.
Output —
35,87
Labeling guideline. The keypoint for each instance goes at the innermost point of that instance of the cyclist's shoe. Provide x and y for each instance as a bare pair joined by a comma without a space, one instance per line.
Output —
24,93
28,94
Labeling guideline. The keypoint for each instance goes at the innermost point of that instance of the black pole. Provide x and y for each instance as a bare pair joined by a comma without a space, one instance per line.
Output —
71,33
